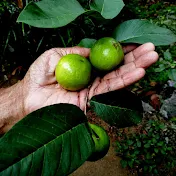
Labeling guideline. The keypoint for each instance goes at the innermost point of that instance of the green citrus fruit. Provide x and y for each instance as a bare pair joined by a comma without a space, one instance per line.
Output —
73,72
101,141
106,54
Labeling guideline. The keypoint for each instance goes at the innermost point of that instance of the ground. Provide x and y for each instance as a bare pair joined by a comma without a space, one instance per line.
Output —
107,166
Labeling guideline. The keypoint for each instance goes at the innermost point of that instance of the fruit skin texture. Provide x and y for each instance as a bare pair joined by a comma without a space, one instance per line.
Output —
73,72
101,141
106,54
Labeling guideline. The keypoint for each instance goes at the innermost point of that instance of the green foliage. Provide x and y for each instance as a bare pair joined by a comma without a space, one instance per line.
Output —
113,108
54,140
6,5
45,14
86,42
108,9
63,12
149,151
173,119
3,5
161,14
164,69
23,41
142,31
58,137
166,63
8,10
158,12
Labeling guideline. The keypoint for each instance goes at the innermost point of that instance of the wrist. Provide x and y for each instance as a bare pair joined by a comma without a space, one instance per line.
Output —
11,106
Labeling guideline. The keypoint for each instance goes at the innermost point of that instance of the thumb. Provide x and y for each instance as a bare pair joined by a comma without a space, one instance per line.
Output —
50,58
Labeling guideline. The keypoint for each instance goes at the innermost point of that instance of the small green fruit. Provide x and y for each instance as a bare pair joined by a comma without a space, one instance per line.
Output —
101,141
73,72
106,54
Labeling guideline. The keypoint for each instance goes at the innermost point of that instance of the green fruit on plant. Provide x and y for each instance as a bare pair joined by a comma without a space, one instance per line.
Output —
106,54
73,72
101,141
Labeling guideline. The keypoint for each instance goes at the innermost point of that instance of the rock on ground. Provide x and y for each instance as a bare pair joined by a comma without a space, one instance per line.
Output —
168,109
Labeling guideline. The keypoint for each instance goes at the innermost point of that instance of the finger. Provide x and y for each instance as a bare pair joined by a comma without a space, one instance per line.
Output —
74,50
143,61
52,61
139,51
117,83
83,95
146,60
128,48
95,84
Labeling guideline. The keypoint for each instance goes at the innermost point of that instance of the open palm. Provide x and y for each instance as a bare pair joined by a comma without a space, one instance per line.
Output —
41,88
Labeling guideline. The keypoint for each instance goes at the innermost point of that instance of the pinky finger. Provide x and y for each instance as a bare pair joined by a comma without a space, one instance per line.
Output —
113,84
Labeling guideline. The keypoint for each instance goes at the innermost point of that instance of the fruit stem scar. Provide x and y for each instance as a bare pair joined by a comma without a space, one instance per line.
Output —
116,45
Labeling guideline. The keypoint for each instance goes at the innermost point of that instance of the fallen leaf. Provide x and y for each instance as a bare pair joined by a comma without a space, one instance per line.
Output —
17,69
20,4
149,93
155,101
153,84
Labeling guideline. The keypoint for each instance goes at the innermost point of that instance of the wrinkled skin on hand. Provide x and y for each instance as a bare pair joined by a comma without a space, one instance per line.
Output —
40,88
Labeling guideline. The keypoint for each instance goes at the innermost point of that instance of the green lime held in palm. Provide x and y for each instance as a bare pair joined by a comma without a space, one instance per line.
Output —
106,54
73,72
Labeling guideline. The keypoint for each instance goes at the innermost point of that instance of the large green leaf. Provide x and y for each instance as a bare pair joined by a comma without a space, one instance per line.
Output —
107,8
87,42
50,14
54,140
142,31
119,108
58,13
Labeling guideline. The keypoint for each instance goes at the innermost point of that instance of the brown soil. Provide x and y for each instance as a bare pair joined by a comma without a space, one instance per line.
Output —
107,166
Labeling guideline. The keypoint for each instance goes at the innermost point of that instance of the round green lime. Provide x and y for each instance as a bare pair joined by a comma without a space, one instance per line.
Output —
73,72
101,141
106,54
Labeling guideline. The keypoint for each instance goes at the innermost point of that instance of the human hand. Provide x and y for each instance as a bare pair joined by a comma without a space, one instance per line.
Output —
41,89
